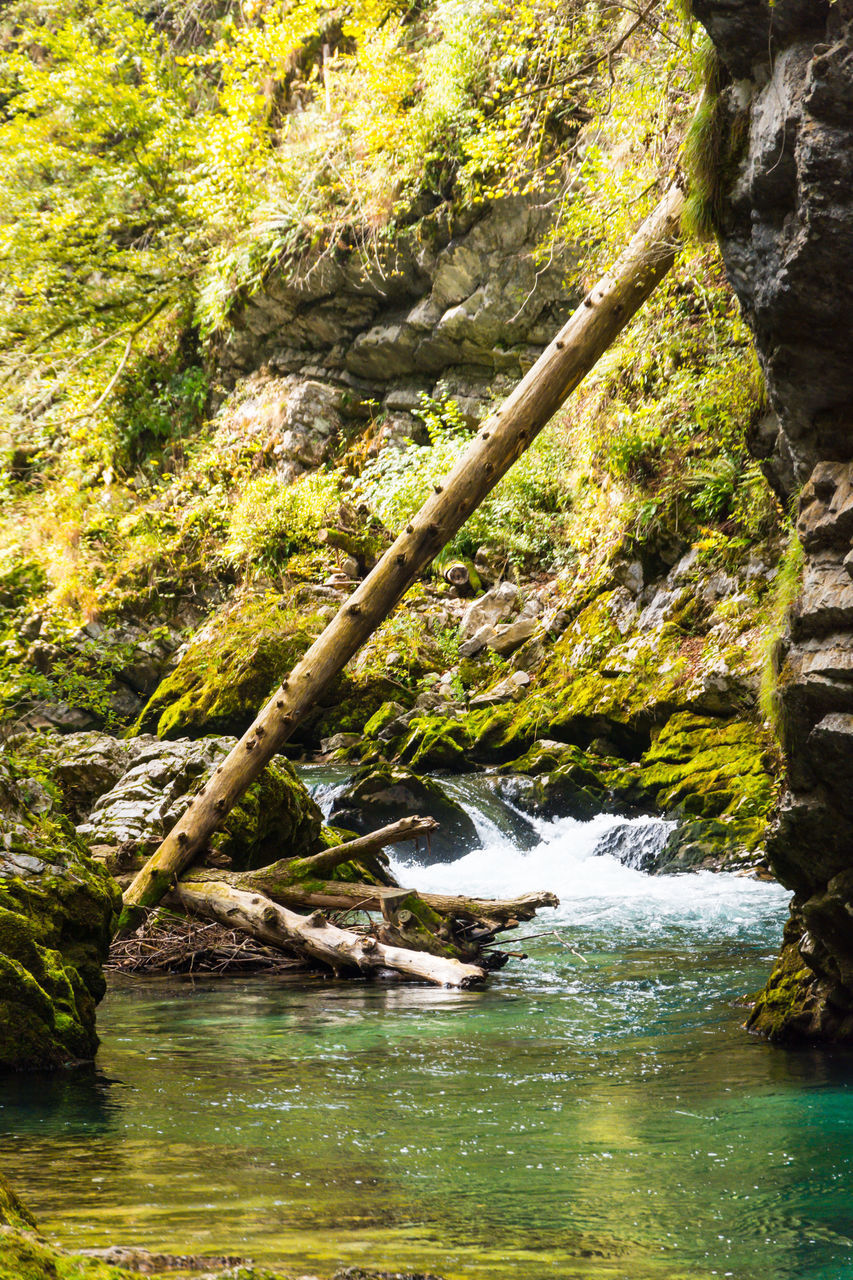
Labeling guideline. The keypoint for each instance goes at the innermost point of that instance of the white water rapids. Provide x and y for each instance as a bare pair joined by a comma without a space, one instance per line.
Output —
520,854
597,889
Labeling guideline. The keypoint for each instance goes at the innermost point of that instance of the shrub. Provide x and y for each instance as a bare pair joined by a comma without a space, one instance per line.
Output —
273,520
520,519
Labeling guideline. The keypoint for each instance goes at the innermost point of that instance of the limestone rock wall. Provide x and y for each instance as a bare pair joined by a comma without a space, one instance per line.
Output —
462,300
787,238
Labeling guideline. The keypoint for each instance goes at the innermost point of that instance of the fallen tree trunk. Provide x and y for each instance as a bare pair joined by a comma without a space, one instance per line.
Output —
343,950
504,436
344,895
442,924
320,864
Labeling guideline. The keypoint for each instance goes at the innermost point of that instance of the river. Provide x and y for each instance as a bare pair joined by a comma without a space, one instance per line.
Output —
596,1112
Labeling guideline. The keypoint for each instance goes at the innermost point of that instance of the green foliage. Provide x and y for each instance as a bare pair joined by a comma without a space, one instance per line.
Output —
712,149
20,580
159,405
274,519
661,435
521,519
82,679
789,579
95,227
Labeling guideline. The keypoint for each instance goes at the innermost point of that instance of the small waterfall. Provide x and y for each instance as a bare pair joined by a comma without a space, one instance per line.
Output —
495,820
324,784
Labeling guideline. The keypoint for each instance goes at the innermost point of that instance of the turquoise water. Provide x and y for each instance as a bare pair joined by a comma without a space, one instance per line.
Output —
596,1112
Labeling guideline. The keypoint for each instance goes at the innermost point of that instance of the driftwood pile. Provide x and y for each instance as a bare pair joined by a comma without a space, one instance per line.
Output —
340,910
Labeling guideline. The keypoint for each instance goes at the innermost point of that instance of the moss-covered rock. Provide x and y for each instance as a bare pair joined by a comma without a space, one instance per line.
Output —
718,776
275,818
379,795
436,742
557,779
797,1004
230,667
12,1212
26,1255
233,663
56,907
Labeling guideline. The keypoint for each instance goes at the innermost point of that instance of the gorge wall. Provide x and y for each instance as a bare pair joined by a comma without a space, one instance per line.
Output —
787,239
462,304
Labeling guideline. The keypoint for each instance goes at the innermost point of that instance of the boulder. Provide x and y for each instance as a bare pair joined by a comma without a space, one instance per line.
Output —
275,819
56,909
507,639
477,642
782,112
380,795
496,606
85,765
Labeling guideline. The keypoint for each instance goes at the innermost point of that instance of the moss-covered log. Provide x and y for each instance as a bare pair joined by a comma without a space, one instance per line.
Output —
500,441
320,864
344,895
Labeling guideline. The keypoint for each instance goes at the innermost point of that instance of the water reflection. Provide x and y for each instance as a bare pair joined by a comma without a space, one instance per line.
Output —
620,1118
597,1112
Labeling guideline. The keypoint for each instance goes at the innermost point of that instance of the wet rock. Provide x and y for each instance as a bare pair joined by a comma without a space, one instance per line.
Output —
358,1273
380,795
56,907
145,1263
641,845
275,819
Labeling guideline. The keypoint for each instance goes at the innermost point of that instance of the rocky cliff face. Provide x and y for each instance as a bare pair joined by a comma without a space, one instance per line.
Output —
787,238
462,301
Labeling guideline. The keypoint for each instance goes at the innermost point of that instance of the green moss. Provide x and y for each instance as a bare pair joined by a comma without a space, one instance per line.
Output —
790,1005
230,668
712,150
786,589
708,768
579,783
56,907
12,1212
436,742
387,713
353,701
276,818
